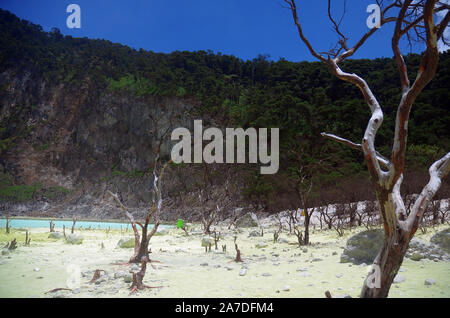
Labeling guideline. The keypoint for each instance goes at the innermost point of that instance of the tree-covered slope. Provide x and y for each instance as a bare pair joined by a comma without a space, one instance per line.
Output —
64,86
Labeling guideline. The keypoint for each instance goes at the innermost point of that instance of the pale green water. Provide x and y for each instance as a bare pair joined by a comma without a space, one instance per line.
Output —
36,223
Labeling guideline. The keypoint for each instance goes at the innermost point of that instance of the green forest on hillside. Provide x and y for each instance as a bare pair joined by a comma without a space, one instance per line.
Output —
302,99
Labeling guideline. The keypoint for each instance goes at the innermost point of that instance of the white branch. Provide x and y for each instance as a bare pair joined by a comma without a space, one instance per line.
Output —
383,160
438,171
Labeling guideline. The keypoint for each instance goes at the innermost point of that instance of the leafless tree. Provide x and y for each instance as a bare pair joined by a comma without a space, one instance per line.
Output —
7,223
74,220
411,18
27,238
238,258
299,233
213,200
142,240
340,220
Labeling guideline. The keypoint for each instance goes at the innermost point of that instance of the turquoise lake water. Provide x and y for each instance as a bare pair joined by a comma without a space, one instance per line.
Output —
33,223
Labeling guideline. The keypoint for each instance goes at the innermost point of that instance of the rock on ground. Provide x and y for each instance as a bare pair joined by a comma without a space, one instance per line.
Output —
127,242
55,235
74,239
363,247
442,239
247,220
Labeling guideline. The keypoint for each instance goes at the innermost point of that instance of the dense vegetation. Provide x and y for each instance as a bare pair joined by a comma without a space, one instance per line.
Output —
303,99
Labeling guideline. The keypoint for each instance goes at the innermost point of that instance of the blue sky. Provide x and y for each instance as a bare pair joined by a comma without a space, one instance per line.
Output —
244,28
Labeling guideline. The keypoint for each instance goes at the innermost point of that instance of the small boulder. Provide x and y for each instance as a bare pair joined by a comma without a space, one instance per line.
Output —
363,247
442,239
55,235
254,233
429,282
128,278
247,220
127,242
399,279
74,239
207,241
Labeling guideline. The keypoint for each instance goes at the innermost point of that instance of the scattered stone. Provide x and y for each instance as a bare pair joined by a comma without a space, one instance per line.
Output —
229,268
128,278
442,239
305,274
334,253
266,274
363,247
119,274
261,245
127,242
74,239
254,233
55,235
36,269
5,251
429,282
243,272
248,220
317,259
287,288
207,241
420,250
339,275
204,264
399,279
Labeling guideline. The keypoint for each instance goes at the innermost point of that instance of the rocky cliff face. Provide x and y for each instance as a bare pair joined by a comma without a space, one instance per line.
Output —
86,140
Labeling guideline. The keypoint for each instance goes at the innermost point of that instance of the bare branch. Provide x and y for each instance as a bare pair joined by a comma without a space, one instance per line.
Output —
438,171
383,160
427,70
293,7
395,48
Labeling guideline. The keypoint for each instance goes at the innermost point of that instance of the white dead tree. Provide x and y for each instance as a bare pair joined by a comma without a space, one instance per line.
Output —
142,239
412,17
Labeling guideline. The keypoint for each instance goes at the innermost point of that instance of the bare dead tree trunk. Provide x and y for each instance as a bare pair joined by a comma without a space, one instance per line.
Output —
13,244
27,238
139,277
238,258
299,235
73,225
52,226
142,241
216,239
399,227
7,224
96,275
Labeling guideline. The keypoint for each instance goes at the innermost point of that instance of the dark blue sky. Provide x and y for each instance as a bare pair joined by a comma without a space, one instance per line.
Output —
244,28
